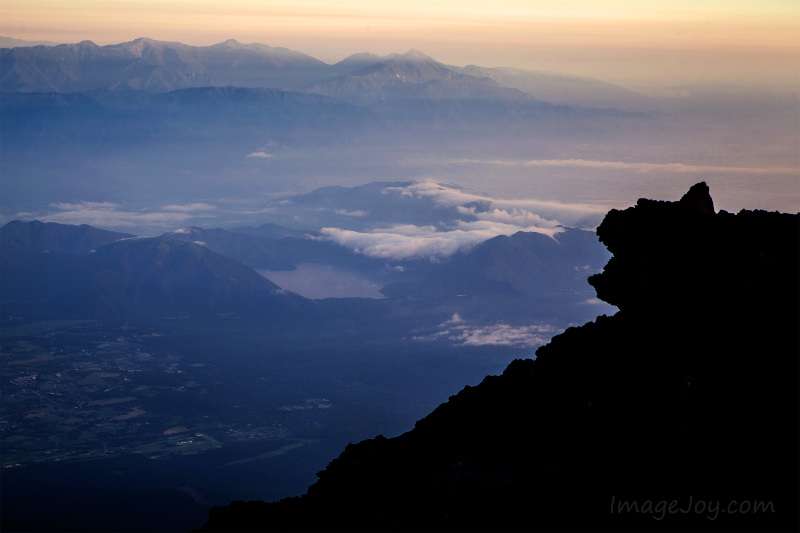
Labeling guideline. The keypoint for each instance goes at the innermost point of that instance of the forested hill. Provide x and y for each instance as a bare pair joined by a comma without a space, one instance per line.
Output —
678,412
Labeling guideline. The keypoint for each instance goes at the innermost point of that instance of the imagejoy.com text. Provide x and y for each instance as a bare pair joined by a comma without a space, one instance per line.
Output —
711,509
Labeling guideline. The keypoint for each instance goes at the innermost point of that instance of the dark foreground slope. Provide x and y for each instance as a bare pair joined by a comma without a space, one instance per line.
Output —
678,412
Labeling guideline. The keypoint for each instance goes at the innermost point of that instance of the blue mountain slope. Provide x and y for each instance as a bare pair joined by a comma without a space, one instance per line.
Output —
139,277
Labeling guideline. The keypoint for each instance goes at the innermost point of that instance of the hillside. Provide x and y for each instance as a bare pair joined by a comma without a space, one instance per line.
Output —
261,250
130,278
684,404
518,279
38,236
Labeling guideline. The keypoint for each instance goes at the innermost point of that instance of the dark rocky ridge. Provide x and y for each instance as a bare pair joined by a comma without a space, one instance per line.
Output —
688,394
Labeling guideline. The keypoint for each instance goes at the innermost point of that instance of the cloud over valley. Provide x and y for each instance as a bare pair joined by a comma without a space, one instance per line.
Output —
110,215
466,220
463,333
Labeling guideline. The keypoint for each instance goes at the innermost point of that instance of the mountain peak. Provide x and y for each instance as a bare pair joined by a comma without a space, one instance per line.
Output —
362,58
415,54
698,199
140,42
138,46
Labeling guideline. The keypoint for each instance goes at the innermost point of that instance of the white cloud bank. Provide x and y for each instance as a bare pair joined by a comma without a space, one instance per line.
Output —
190,207
569,214
483,218
109,215
461,333
408,241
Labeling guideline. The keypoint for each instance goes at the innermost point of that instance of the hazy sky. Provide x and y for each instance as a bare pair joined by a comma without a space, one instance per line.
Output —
632,42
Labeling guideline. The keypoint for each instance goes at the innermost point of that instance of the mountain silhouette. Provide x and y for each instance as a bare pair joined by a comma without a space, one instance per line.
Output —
687,396
139,277
39,236
518,279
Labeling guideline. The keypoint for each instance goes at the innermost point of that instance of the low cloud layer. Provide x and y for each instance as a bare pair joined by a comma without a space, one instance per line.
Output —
109,215
568,214
514,216
408,241
443,196
620,165
462,333
455,220
479,218
190,207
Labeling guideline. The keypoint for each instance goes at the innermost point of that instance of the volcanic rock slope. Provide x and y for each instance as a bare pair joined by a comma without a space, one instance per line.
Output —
689,394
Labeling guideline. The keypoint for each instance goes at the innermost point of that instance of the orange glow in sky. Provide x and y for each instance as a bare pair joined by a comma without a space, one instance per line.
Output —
642,42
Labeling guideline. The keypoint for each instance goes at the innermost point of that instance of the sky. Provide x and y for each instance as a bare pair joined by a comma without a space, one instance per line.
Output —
642,43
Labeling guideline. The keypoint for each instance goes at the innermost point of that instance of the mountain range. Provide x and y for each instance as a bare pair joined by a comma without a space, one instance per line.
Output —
83,121
245,123
55,270
158,66
151,65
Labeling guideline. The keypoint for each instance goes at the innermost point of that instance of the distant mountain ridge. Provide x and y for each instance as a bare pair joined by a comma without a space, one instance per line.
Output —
411,75
154,66
161,66
562,88
38,236
10,42
158,112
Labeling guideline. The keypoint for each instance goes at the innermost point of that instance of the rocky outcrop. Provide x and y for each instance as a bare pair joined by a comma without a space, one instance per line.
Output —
678,412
